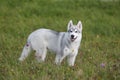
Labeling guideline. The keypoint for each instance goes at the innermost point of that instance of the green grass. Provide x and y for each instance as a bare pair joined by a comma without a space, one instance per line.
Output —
100,43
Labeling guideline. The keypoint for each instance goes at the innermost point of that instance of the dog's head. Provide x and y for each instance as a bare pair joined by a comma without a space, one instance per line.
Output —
75,31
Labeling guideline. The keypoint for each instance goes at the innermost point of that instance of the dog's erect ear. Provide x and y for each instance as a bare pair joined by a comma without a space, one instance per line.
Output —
79,25
70,24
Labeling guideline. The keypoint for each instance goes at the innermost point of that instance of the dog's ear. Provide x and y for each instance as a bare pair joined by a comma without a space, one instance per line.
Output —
79,25
70,24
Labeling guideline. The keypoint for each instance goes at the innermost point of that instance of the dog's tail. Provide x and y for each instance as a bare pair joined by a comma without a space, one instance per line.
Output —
26,50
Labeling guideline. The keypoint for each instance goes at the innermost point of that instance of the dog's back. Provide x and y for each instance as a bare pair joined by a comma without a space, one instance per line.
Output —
47,37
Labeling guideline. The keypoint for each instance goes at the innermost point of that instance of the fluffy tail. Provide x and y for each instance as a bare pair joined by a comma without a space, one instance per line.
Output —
26,50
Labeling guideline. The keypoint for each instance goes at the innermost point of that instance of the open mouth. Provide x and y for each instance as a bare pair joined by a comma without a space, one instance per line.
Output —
73,39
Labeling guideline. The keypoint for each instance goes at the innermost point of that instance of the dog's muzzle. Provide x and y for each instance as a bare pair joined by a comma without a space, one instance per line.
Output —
73,38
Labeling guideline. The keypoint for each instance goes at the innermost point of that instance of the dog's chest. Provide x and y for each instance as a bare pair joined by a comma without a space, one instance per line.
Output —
72,49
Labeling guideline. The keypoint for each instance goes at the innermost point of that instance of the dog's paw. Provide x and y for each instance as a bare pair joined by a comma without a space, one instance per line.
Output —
57,63
40,60
71,64
21,59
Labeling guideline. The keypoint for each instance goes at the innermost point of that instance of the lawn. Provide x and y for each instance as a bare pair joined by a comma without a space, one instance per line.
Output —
99,53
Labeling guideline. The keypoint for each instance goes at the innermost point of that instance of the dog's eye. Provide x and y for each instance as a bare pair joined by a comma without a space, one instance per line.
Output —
75,31
70,31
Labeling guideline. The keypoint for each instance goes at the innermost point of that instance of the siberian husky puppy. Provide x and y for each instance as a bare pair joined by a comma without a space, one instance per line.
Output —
64,44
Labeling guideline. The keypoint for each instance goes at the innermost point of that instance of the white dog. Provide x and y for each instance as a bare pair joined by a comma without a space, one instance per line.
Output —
64,44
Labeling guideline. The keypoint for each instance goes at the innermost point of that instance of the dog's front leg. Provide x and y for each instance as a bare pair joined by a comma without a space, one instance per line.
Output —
71,58
59,59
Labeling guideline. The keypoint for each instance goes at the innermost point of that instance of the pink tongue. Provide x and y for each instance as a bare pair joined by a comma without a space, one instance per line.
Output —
72,40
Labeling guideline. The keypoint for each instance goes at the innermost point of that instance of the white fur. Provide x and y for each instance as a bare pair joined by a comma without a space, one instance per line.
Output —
59,42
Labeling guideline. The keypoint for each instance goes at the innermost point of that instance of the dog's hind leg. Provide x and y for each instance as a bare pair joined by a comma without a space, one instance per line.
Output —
44,54
41,54
26,50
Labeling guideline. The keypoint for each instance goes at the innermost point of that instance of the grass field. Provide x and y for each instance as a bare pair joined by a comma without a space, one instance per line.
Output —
99,53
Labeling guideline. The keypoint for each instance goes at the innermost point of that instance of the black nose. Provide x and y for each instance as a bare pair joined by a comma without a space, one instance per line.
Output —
72,36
